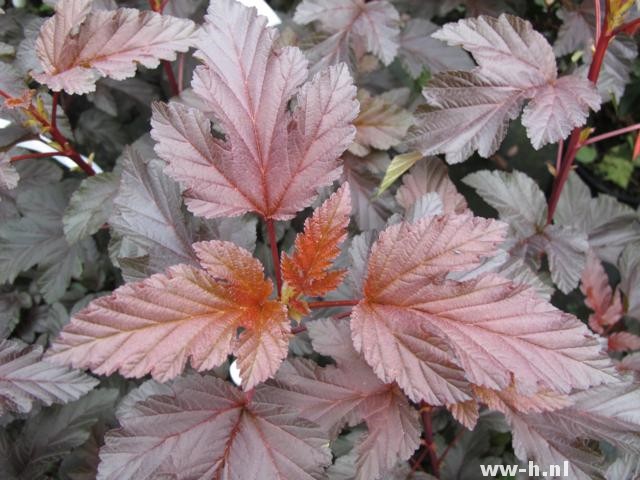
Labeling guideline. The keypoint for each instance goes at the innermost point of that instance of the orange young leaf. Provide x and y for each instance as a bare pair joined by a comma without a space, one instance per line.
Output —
308,270
156,325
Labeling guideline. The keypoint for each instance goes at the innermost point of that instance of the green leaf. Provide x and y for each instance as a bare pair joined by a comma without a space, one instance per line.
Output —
398,166
587,155
617,166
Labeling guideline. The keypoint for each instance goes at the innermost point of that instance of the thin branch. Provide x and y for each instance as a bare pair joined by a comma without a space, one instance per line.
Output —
598,8
333,303
425,412
615,133
173,84
418,461
66,149
629,28
275,255
450,446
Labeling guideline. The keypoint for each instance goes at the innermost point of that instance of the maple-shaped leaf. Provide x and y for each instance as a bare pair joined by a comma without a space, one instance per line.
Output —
77,46
272,160
206,428
430,175
25,378
406,257
308,270
419,50
606,305
381,124
156,325
373,24
350,393
472,110
488,323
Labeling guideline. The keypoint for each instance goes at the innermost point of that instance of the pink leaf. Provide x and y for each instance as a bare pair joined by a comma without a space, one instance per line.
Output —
472,110
559,107
494,330
272,161
607,306
77,46
205,428
156,325
350,393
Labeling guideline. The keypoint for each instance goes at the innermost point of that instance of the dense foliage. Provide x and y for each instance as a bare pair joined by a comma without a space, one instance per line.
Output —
230,250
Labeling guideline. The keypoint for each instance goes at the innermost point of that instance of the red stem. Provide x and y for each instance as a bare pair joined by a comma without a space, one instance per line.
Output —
418,461
598,8
158,7
450,446
573,147
425,412
628,28
333,303
30,156
275,255
54,110
615,133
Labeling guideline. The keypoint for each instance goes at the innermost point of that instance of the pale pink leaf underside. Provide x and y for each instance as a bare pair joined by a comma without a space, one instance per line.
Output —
472,110
77,46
